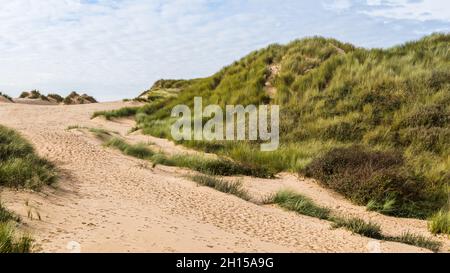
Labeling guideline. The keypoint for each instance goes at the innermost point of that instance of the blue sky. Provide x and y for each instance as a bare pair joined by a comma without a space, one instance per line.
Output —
118,48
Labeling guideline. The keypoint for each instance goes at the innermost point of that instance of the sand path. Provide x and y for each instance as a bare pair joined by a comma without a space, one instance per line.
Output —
108,202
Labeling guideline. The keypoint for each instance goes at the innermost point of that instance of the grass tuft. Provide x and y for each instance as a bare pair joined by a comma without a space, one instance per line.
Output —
300,204
440,222
11,242
359,226
234,188
123,112
19,164
416,240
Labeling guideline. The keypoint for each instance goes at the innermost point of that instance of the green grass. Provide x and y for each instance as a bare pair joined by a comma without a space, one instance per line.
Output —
19,165
440,222
359,226
300,204
391,101
293,201
234,188
11,242
123,112
210,166
218,166
6,215
140,150
416,240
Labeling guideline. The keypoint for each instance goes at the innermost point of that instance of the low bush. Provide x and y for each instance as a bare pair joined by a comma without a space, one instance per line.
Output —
380,179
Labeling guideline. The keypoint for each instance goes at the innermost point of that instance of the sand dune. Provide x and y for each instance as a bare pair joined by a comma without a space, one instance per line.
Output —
108,202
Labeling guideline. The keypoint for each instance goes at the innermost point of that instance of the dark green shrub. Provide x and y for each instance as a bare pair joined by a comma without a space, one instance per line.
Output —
371,176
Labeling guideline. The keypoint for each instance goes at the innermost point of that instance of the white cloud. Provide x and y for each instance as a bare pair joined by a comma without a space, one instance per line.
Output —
412,10
337,4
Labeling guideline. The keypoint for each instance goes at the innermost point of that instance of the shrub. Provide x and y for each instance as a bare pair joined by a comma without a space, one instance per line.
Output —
427,116
371,176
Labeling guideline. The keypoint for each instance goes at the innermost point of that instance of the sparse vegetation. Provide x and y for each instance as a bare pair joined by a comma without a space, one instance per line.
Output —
72,98
296,202
24,95
123,112
234,188
138,150
359,226
57,98
300,204
416,240
75,98
6,97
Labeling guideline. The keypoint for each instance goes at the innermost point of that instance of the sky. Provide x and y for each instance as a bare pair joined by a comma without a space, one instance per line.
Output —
114,49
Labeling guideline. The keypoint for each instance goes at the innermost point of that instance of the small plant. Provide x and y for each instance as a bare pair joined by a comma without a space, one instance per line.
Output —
6,215
10,242
359,226
300,204
416,240
234,188
123,112
72,127
138,150
440,222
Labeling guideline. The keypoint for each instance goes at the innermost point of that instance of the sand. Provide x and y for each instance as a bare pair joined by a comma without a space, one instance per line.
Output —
108,202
